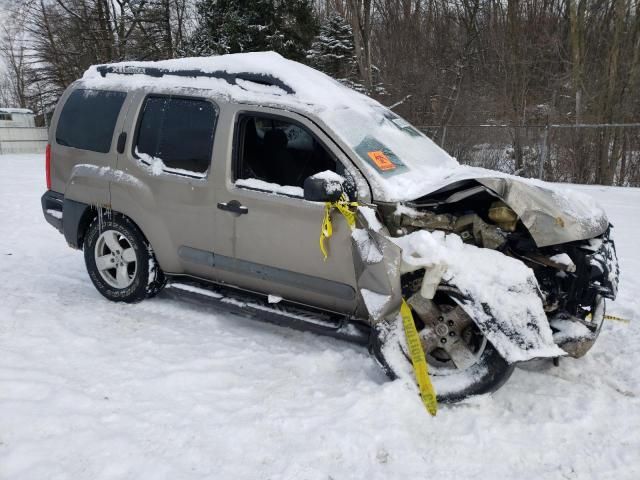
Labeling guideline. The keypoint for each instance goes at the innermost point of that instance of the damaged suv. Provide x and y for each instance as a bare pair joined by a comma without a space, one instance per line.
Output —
212,177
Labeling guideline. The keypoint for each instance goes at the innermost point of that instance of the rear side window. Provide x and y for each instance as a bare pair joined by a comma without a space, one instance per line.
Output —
88,119
179,132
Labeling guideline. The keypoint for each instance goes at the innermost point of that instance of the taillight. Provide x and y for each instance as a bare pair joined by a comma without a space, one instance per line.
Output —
48,166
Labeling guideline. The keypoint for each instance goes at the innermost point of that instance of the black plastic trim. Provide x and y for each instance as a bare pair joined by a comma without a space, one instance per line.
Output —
231,78
122,140
72,213
52,201
265,272
284,314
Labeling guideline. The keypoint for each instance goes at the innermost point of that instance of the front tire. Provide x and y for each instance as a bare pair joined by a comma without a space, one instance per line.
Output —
118,257
462,363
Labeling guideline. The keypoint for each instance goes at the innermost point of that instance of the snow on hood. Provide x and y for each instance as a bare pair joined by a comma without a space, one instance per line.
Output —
552,213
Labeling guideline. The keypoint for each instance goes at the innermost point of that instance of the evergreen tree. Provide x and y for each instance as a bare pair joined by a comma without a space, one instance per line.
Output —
234,26
333,52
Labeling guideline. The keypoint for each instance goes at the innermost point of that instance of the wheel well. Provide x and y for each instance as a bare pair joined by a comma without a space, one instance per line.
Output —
91,213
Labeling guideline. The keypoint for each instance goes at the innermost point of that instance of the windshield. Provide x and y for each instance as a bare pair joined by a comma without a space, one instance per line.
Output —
400,160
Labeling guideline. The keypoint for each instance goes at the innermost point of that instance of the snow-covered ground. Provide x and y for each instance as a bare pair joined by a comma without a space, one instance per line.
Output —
164,390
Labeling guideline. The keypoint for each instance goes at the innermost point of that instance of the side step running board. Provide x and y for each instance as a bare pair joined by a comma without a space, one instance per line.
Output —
281,313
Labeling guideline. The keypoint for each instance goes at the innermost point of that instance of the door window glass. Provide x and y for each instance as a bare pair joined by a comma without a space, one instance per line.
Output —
88,119
176,134
278,155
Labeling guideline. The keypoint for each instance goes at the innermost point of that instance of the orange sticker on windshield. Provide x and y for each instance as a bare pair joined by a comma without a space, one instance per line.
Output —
381,160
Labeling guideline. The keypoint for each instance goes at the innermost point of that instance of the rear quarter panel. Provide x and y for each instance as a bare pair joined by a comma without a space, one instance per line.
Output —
81,175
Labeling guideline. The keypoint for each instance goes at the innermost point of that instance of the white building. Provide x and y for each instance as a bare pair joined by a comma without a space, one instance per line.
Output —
17,117
18,132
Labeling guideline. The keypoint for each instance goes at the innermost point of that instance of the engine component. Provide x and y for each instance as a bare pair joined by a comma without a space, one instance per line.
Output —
503,216
471,228
429,220
561,261
484,235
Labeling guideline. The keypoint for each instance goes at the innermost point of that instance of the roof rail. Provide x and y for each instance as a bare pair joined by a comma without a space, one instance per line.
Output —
231,78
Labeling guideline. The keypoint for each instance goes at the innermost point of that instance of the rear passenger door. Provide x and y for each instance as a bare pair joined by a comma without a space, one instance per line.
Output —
165,181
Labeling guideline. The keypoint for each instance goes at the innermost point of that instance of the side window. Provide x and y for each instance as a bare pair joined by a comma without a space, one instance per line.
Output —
88,119
274,154
178,132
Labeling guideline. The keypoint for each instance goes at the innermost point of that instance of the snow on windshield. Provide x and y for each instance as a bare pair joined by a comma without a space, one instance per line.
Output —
401,158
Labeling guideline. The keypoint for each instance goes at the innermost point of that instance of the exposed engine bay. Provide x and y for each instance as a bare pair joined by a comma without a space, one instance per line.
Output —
573,277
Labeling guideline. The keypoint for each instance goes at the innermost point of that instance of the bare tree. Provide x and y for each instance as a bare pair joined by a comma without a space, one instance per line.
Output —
12,52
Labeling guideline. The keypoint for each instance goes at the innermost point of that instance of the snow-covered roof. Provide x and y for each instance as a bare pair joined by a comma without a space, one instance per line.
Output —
16,110
312,90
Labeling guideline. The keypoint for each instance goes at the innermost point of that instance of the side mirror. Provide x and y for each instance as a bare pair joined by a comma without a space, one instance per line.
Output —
323,187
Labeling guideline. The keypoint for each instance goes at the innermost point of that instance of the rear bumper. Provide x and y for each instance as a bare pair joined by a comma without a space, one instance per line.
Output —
52,203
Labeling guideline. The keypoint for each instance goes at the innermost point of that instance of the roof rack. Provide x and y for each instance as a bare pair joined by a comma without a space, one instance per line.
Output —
231,78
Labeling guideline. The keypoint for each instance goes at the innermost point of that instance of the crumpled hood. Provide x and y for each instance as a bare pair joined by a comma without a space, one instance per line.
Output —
552,214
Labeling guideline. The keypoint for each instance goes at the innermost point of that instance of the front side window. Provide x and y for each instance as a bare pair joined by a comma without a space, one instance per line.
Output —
88,119
177,134
277,155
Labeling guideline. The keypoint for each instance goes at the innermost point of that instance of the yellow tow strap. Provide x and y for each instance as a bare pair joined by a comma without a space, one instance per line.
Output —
612,317
617,319
344,206
419,362
427,393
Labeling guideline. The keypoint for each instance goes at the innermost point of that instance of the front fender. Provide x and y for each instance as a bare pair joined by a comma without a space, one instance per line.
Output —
498,292
517,338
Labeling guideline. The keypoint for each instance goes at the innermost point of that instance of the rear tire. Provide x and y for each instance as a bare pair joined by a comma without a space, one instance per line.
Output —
118,260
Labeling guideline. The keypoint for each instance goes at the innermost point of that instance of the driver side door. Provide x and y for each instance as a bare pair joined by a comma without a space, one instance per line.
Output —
266,234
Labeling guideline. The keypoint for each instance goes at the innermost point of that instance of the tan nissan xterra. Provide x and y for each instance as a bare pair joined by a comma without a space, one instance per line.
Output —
213,175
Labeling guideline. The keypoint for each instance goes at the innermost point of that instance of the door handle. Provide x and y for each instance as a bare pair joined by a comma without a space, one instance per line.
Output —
233,206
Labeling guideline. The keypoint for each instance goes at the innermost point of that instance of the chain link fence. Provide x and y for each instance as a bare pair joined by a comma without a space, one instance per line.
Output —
607,154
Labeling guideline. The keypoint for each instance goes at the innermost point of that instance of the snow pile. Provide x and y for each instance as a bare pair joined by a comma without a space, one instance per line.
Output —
501,288
329,176
369,215
257,184
375,302
156,166
564,260
367,249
